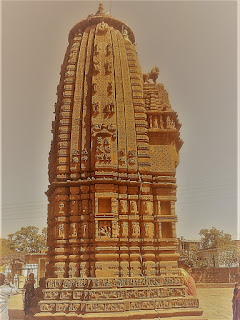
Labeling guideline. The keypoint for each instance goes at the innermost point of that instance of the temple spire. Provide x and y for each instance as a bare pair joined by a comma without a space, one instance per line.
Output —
112,192
100,8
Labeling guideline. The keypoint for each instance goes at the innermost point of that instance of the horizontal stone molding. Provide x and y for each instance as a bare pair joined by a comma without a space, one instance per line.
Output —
117,306
124,282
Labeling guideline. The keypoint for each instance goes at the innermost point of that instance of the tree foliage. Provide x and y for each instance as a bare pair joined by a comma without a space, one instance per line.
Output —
6,253
190,256
229,257
216,249
27,240
214,238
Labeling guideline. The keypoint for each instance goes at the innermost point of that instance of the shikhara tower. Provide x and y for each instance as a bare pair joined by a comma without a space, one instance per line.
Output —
111,218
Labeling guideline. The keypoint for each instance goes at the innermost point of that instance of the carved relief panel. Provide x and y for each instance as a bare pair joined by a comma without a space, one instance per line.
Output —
109,88
133,207
84,207
135,269
147,207
73,230
73,270
61,231
83,269
115,229
135,229
61,208
124,231
121,157
73,208
96,49
108,49
131,157
96,65
103,151
149,229
109,110
102,28
149,268
123,206
60,269
124,268
114,204
84,229
95,108
170,124
105,228
108,67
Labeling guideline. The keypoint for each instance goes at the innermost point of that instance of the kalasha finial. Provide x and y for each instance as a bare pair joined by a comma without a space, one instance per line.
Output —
100,8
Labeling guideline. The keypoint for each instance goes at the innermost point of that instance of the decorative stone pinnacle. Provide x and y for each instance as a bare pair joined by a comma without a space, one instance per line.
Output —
100,8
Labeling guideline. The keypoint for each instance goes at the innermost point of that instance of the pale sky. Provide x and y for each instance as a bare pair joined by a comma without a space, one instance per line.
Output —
194,44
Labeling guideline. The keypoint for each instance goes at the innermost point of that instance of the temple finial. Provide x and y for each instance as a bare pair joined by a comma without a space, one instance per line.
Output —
100,8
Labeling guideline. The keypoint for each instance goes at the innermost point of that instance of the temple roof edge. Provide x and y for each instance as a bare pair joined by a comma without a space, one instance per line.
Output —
98,18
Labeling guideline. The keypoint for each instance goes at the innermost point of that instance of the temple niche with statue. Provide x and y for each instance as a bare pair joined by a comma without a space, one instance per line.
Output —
112,193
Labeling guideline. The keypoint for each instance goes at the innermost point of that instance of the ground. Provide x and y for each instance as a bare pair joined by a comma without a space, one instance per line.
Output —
215,302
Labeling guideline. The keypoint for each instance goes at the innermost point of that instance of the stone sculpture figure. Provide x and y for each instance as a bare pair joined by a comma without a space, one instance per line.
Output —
133,207
151,75
123,206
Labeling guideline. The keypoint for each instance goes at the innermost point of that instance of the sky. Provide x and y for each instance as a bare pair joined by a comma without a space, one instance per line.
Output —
194,44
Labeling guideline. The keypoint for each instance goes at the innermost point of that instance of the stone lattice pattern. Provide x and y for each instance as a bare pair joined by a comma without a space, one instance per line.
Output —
112,192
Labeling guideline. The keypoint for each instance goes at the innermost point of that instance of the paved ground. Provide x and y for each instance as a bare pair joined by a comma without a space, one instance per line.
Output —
215,302
15,308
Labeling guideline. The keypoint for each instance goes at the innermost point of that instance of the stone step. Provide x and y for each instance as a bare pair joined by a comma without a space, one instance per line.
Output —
171,314
163,305
178,318
113,293
123,282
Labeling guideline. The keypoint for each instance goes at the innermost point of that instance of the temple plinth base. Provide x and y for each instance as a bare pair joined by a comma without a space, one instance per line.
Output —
186,314
117,299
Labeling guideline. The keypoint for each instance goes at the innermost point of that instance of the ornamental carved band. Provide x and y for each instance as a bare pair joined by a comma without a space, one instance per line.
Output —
112,192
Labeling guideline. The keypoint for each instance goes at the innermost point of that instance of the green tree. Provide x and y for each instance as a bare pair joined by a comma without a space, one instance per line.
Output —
27,240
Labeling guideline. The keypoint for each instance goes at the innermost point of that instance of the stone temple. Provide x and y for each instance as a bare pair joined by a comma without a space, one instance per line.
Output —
112,193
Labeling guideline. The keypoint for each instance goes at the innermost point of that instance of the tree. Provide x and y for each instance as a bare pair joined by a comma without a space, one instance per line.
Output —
222,247
214,238
6,253
216,249
27,240
190,256
229,257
